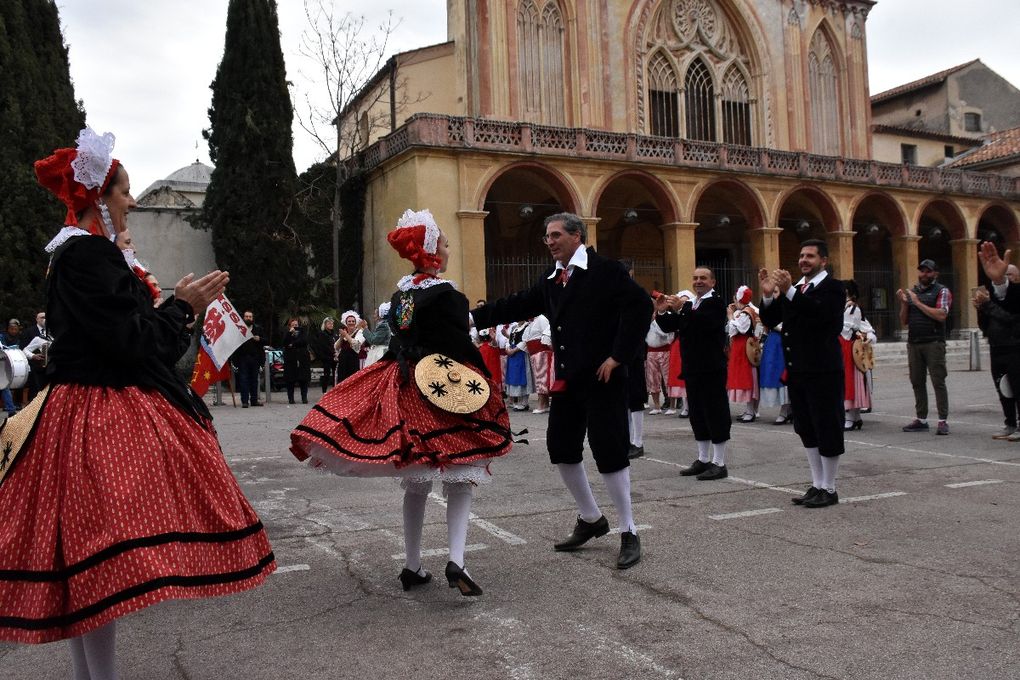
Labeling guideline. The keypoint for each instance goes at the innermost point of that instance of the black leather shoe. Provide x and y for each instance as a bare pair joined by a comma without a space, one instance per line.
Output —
583,531
636,451
811,493
410,579
458,578
256,403
696,468
630,550
822,499
244,405
713,471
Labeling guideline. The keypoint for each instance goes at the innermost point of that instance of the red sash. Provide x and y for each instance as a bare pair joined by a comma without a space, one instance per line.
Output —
536,346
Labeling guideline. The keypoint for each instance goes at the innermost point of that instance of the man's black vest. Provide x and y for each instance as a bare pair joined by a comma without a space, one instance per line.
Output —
920,326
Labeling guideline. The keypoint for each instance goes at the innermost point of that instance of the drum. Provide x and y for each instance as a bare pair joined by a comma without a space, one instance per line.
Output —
14,369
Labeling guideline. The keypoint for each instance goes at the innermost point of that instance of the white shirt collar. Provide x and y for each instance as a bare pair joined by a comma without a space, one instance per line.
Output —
819,277
579,259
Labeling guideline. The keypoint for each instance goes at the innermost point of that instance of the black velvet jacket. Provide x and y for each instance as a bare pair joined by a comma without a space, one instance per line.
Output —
702,334
105,329
812,322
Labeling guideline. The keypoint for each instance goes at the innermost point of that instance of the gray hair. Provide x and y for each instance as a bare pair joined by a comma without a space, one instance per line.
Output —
572,224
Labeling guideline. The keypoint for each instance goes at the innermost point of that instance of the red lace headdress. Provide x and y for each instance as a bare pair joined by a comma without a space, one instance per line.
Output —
79,176
416,238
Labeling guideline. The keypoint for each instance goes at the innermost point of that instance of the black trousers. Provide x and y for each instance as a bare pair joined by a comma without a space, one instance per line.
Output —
817,402
598,409
1006,362
637,391
709,406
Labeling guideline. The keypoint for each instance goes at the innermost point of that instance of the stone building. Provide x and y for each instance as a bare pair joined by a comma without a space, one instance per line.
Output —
722,132
164,239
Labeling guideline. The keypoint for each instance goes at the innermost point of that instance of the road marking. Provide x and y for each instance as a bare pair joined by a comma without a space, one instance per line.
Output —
485,525
614,648
933,453
239,459
980,482
735,480
745,513
872,497
637,527
292,567
438,552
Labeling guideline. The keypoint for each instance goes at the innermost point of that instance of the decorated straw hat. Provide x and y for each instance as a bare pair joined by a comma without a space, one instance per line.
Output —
450,385
864,355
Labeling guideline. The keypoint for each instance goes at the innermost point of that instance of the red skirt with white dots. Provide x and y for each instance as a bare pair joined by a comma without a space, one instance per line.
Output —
374,425
118,501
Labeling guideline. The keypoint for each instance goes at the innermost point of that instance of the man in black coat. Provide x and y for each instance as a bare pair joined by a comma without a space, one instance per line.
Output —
700,323
599,317
247,358
37,359
811,312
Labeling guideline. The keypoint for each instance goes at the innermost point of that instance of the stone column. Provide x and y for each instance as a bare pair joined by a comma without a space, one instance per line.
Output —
904,255
965,266
841,253
678,239
472,253
593,233
764,251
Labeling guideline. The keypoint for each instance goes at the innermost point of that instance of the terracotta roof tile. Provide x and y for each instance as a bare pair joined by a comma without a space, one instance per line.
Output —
933,79
1002,144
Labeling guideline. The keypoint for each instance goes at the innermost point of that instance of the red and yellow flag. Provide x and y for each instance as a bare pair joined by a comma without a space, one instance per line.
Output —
206,373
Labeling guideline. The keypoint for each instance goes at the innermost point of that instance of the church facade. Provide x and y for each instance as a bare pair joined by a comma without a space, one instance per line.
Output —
684,132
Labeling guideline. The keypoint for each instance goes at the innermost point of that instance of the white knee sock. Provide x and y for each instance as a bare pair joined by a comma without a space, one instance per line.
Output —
618,486
79,666
100,652
576,480
458,512
637,428
814,459
719,454
830,464
704,447
415,496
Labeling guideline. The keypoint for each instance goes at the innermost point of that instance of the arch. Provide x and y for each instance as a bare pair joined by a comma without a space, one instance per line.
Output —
897,227
566,190
757,221
541,61
828,211
699,101
663,95
664,196
825,90
735,98
950,214
1002,218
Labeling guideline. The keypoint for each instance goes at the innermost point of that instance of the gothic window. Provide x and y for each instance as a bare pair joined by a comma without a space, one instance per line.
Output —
699,102
736,108
824,87
662,98
540,62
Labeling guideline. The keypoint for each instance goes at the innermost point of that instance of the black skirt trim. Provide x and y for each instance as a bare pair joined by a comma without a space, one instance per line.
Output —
336,445
64,620
124,546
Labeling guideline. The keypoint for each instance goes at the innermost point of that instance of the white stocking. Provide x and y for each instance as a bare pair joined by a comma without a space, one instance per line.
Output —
830,464
79,666
415,496
618,486
704,447
637,428
100,652
814,459
719,454
576,480
458,512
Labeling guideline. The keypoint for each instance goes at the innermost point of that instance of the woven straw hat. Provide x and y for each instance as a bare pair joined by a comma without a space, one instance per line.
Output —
450,385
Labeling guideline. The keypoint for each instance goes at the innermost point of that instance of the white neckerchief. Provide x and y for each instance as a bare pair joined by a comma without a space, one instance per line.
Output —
407,283
578,259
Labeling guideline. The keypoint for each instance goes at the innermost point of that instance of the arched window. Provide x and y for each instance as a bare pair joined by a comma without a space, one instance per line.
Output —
540,62
824,86
663,109
699,101
736,108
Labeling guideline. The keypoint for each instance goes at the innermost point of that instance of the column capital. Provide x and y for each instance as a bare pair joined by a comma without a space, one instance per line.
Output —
907,238
680,226
843,234
767,230
965,241
473,214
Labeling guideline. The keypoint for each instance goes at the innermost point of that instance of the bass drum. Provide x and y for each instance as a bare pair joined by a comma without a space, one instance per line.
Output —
14,369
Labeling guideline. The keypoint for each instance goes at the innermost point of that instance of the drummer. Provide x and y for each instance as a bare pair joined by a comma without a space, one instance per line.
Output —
10,339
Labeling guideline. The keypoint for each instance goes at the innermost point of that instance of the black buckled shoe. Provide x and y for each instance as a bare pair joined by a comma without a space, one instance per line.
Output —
811,493
713,471
630,550
456,577
410,579
696,468
583,532
822,499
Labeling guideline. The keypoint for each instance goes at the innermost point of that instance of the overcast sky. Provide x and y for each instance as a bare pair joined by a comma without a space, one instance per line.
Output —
143,68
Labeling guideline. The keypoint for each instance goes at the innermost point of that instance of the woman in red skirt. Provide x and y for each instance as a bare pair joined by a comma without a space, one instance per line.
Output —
119,496
379,423
741,375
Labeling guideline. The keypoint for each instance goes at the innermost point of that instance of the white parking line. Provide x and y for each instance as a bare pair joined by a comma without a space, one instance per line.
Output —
438,552
292,567
872,497
745,513
736,480
485,525
933,453
980,482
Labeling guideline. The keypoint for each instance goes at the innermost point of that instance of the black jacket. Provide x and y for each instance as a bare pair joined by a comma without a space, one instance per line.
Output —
812,322
702,334
439,324
297,362
252,349
601,313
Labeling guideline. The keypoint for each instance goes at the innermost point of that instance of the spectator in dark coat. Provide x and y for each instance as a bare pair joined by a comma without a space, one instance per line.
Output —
297,362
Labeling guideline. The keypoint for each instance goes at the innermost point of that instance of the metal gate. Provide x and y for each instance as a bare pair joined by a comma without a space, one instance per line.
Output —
878,300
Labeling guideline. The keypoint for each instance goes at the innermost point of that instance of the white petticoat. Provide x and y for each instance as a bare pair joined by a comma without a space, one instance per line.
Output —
320,458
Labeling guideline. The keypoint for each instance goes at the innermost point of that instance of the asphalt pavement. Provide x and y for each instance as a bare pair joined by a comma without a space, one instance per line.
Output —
913,575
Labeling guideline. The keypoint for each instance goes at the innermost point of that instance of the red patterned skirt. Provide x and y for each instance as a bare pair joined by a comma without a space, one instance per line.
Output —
741,376
855,387
118,501
372,425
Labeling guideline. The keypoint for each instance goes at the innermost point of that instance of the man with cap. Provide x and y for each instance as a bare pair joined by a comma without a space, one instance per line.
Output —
924,310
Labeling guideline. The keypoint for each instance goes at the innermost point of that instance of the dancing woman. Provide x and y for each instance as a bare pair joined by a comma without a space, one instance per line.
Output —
378,423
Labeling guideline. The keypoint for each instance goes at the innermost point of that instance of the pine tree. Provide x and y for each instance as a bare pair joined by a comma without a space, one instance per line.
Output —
250,204
38,113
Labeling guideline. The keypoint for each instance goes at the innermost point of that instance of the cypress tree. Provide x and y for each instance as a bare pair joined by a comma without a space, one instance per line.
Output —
38,113
250,204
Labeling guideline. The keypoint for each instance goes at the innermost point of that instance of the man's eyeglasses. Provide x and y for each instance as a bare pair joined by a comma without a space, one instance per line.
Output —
552,236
